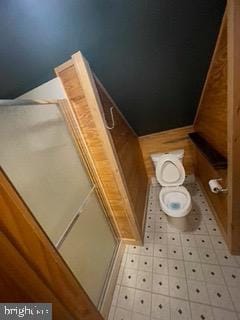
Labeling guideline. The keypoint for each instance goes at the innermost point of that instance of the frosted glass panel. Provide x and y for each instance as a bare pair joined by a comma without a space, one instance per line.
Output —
89,248
38,155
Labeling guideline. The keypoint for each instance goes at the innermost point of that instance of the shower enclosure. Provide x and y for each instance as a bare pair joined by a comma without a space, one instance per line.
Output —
39,156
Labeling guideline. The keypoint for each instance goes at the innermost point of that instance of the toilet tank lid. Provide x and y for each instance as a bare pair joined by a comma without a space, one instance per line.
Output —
179,153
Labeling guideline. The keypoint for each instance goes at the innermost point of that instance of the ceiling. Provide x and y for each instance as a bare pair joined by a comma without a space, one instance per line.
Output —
151,55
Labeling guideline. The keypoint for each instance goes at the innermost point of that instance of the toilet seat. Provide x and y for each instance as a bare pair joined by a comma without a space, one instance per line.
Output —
175,200
170,171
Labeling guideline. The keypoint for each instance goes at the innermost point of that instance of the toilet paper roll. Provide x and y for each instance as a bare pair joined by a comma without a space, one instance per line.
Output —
214,185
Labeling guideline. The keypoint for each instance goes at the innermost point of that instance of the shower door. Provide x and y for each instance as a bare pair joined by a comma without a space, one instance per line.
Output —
39,157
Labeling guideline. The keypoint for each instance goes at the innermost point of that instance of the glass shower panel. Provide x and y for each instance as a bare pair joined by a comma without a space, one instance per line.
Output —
38,155
89,251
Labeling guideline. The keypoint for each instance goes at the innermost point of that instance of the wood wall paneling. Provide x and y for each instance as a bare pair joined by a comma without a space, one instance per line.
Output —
211,117
166,141
204,171
233,10
128,153
105,149
31,263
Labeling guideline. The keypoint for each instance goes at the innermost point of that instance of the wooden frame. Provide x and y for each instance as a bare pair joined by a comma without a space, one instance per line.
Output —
33,268
98,147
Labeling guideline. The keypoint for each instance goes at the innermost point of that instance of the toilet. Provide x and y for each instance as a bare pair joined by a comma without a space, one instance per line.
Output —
175,200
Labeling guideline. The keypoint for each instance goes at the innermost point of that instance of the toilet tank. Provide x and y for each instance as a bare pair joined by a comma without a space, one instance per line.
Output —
156,156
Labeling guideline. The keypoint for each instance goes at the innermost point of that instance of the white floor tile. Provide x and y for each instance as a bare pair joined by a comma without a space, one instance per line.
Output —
122,314
188,240
201,312
234,292
201,229
144,280
173,239
147,249
213,274
191,254
232,276
160,251
225,258
129,278
207,256
218,243
160,307
178,288
142,302
180,310
111,313
176,268
120,275
213,229
160,237
115,295
203,241
221,314
193,270
138,316
175,252
134,249
132,261
126,298
160,284
145,263
197,291
160,265
148,237
160,227
219,296
150,225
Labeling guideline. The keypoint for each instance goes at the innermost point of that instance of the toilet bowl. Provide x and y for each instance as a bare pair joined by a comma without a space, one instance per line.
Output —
175,200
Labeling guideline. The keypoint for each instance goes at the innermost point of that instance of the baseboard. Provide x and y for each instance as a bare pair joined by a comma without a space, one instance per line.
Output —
145,208
112,280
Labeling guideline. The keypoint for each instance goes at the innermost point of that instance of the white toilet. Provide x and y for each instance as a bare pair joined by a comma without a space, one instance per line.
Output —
174,198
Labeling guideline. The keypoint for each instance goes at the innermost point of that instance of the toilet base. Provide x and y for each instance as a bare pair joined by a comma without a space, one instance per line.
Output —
180,224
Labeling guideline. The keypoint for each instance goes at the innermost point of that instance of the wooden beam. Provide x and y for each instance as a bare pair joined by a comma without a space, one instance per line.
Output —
234,125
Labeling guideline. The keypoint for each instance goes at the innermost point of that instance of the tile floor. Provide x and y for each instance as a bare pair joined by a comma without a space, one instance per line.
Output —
178,275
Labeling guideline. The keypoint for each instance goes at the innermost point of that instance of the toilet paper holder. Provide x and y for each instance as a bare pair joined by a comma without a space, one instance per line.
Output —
220,189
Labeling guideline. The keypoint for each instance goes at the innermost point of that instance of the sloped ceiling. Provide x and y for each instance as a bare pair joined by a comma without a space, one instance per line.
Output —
151,55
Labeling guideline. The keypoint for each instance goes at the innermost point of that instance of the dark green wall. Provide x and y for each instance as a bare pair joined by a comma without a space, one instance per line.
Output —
152,55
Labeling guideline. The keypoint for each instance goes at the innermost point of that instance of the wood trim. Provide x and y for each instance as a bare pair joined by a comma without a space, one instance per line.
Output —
102,158
165,132
38,254
233,10
92,97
